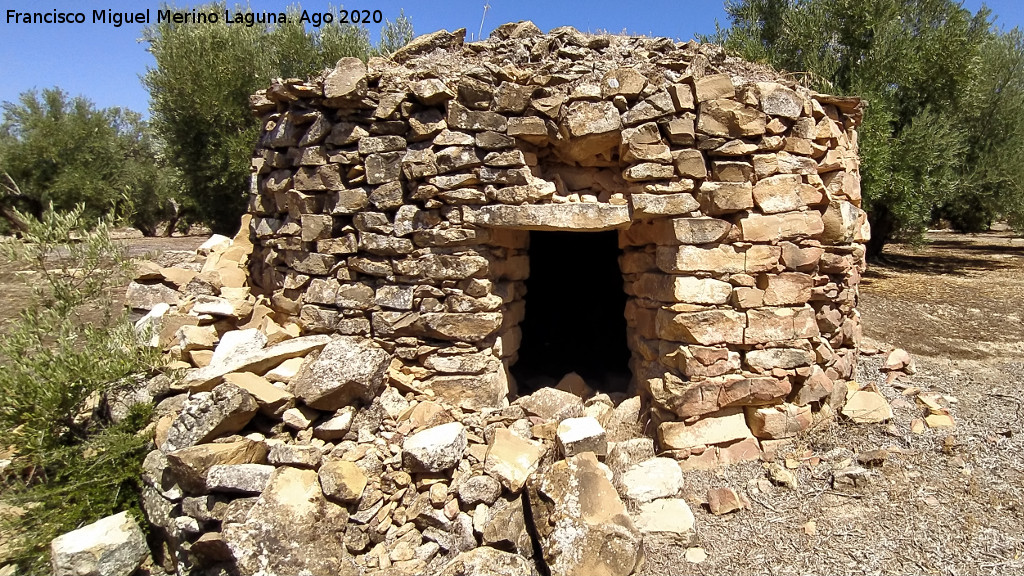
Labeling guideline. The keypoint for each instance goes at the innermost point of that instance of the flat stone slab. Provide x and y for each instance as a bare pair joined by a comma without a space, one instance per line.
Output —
582,217
258,361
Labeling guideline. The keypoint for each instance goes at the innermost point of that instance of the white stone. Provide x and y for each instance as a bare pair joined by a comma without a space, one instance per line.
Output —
214,306
435,449
651,479
113,546
239,478
215,243
665,515
238,343
578,435
337,426
148,327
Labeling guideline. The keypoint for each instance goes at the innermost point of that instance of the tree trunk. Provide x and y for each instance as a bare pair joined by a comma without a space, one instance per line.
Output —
11,215
882,228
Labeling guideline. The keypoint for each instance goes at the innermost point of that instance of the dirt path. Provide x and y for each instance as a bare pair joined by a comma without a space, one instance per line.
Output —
958,297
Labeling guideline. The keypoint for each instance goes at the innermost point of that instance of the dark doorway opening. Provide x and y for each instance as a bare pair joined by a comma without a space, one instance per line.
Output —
574,313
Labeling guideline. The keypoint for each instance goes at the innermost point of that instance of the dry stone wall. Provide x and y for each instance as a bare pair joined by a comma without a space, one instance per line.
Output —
392,202
345,407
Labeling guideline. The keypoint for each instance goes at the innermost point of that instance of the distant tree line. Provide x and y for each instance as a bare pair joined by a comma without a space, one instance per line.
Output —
943,134
190,162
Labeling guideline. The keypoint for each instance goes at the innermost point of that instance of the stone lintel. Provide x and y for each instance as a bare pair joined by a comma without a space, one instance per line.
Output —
581,217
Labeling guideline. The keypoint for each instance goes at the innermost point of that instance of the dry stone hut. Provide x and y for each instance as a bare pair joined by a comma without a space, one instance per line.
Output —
635,210
484,280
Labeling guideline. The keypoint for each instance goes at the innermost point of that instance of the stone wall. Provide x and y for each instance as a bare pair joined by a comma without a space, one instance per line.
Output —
392,201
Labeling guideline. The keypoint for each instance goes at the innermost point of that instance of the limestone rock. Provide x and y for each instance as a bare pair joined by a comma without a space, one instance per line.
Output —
257,363
298,455
651,479
435,449
552,404
725,500
578,435
239,478
337,426
148,296
724,426
899,360
479,489
190,466
511,459
505,527
576,216
581,523
348,368
427,43
270,398
342,481
207,415
666,520
238,343
347,80
112,546
865,406
487,561
779,421
591,128
291,529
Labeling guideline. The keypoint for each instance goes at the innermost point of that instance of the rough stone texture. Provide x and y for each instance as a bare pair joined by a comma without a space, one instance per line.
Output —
435,449
724,426
112,546
379,281
257,362
207,415
667,520
239,478
487,561
190,466
512,459
291,529
348,368
578,435
582,524
552,404
651,479
342,481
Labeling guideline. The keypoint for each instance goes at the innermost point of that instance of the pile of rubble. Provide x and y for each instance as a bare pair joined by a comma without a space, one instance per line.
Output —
285,453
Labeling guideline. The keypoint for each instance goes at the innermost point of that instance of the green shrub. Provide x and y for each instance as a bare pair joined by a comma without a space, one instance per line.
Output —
66,348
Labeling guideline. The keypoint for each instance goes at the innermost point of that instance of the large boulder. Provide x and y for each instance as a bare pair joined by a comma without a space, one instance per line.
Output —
581,523
291,529
348,368
113,546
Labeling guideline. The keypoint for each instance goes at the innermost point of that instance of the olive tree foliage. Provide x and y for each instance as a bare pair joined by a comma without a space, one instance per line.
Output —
200,86
944,91
62,150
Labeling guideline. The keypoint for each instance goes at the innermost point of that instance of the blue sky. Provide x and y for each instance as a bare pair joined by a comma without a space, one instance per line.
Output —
104,63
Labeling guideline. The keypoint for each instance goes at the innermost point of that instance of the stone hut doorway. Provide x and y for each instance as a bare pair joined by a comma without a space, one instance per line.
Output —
574,319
